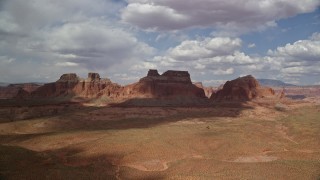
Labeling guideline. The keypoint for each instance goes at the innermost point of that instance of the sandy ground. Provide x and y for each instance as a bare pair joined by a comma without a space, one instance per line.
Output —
251,141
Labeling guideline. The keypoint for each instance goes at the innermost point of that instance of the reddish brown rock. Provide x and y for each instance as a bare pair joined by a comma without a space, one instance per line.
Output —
242,89
93,77
71,77
11,92
169,84
21,90
71,85
153,72
29,87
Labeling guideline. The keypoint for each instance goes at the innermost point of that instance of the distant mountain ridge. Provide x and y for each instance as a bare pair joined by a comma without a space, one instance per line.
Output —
273,83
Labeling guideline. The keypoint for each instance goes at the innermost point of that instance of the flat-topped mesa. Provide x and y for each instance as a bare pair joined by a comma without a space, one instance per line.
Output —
169,76
171,84
177,76
70,77
172,73
93,76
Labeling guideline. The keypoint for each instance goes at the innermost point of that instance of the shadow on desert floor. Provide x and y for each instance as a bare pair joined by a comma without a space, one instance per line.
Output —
20,163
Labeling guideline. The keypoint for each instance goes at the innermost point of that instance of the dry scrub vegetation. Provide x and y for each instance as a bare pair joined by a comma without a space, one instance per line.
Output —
225,141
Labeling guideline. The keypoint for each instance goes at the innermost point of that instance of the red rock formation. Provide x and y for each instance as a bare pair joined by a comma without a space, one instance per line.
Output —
153,72
169,84
64,86
17,90
29,87
72,85
11,92
243,88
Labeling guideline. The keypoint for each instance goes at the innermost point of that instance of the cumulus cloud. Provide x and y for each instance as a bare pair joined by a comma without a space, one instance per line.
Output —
164,15
209,47
252,45
95,44
300,57
210,56
305,50
224,72
66,64
66,36
233,15
220,57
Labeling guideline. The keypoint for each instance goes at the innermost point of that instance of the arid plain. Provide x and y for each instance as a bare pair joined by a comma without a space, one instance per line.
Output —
261,138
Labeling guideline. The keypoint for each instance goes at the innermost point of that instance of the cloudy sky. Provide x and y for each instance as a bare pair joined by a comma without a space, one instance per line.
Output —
215,40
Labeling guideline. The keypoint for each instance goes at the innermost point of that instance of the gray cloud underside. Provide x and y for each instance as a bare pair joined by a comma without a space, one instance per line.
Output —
231,15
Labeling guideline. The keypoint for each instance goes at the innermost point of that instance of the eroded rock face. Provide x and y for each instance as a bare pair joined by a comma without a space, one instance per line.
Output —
93,76
243,88
72,85
169,84
71,77
11,92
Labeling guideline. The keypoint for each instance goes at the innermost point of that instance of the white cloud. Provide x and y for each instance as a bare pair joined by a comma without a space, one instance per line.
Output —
209,47
223,72
143,66
221,57
299,58
157,14
300,50
95,44
232,15
252,45
67,37
67,64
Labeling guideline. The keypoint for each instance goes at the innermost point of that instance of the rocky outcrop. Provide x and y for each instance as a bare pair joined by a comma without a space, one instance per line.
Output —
21,90
28,87
169,84
71,77
93,77
71,85
11,92
242,89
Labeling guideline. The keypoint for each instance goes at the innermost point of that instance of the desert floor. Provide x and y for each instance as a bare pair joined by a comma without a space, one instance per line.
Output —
253,140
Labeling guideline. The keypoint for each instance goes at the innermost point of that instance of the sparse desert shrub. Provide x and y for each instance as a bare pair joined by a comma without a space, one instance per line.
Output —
281,107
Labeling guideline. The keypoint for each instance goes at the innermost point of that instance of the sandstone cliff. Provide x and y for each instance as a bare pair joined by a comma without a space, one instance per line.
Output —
72,85
169,84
